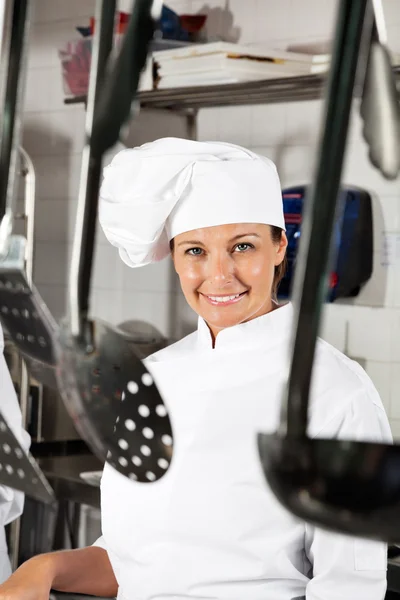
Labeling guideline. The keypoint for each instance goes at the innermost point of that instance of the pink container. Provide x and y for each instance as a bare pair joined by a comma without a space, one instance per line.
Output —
75,62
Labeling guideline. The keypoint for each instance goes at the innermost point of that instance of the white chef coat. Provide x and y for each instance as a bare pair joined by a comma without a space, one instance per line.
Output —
11,501
211,528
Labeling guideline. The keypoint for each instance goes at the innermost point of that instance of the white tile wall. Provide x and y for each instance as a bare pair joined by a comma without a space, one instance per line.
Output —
57,176
311,19
303,122
56,133
48,41
272,19
107,305
153,307
371,333
243,26
392,12
395,282
395,427
152,278
38,90
240,133
395,349
395,391
55,220
52,261
207,124
268,123
360,172
381,375
367,328
335,326
108,269
52,11
295,163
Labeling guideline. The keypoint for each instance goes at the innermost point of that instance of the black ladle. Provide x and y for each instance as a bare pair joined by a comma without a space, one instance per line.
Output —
348,486
107,367
107,390
21,311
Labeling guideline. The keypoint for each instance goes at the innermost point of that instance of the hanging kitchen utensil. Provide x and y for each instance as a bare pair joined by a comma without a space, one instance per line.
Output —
17,304
24,314
380,104
107,390
22,311
352,487
19,470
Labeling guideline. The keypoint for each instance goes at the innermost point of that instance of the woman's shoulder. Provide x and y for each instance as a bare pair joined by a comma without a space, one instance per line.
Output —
343,391
336,370
339,369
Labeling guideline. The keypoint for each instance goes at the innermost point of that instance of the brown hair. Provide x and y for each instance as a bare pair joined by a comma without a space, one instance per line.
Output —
280,270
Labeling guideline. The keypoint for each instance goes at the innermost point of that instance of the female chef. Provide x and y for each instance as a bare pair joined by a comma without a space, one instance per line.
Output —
211,528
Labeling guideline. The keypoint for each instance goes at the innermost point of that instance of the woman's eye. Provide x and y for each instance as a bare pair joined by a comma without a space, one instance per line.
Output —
243,247
194,251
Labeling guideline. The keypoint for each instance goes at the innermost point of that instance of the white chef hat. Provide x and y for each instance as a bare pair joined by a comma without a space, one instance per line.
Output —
154,192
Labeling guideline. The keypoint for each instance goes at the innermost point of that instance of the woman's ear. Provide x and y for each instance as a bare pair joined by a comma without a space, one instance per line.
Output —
281,249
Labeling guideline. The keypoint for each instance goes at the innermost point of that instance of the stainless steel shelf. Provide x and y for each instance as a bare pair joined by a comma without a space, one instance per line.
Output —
234,94
287,89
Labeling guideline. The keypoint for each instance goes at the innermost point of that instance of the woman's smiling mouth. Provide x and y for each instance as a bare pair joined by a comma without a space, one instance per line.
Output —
224,300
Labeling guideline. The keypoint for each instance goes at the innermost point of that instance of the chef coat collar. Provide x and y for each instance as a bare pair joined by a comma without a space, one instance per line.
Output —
268,330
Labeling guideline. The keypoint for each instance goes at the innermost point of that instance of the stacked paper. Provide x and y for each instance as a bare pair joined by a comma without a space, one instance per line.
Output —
223,62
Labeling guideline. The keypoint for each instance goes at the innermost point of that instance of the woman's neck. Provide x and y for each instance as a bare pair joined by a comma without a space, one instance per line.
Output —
214,331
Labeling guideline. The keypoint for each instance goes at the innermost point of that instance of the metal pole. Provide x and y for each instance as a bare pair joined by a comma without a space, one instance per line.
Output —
86,220
11,120
28,172
310,284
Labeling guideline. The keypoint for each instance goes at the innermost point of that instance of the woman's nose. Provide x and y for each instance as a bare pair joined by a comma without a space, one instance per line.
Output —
220,268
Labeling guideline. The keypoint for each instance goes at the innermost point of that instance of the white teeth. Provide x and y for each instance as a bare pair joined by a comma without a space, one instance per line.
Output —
223,298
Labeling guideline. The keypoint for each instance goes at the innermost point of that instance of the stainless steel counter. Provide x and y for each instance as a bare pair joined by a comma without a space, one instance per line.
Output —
64,474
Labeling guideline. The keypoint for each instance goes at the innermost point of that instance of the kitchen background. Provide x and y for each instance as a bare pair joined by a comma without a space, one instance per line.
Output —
366,328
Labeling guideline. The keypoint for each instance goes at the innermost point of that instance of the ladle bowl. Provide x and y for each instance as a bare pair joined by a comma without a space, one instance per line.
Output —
113,399
353,487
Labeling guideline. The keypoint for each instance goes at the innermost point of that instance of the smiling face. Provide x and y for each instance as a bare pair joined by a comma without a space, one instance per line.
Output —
227,271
